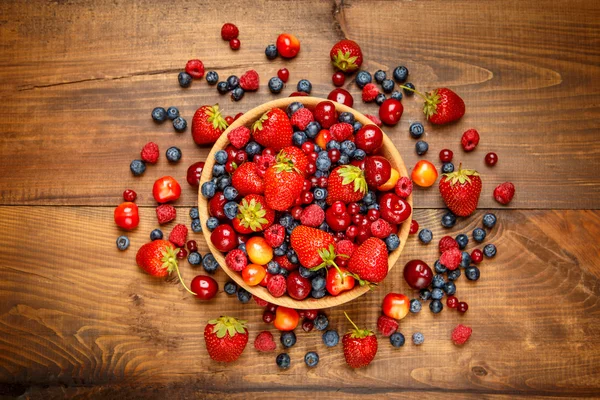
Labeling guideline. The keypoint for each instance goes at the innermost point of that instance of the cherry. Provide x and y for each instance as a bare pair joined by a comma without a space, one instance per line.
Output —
338,79
312,156
325,114
334,155
268,317
353,208
463,307
377,171
231,152
341,96
364,221
391,111
238,115
369,138
224,238
307,197
307,148
311,315
491,159
338,208
446,155
283,74
314,181
215,206
308,184
298,287
477,256
351,232
358,163
269,151
394,209
181,254
373,215
204,286
288,45
272,308
356,219
452,302
338,221
417,274
192,245
414,227
364,232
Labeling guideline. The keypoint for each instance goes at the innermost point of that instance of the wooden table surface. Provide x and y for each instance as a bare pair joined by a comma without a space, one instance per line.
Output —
78,81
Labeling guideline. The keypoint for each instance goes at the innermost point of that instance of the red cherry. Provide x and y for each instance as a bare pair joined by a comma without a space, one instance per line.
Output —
240,158
477,256
238,115
307,147
491,159
229,119
314,181
224,238
313,155
194,172
268,317
463,307
353,208
341,96
452,302
325,114
298,287
204,286
334,155
369,138
336,220
394,209
356,219
391,111
235,44
231,152
417,274
283,74
309,183
414,227
364,232
311,315
377,171
307,326
358,163
446,155
215,206
272,308
338,79
338,208
288,45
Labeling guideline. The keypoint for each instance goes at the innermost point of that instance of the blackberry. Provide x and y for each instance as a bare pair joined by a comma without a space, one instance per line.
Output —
436,306
159,114
237,94
271,52
478,235
396,95
421,147
311,359
222,87
489,250
346,117
379,76
122,243
293,107
415,306
156,234
212,77
209,263
380,99
400,74
331,338
387,85
212,223
447,168
418,338
397,339
425,236
304,86
173,154
321,322
137,167
425,294
243,295
462,240
288,339
472,273
275,85
362,78
282,360
172,113
194,258
448,220
184,79
437,294
196,225
449,288
407,90
416,130
232,82
489,220
230,288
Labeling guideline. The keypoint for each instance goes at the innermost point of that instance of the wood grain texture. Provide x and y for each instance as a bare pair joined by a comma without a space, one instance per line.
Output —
77,316
80,80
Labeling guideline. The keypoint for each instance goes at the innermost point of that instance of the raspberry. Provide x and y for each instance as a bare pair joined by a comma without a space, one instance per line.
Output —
504,193
341,131
277,285
275,235
381,228
229,31
404,187
150,153
345,247
195,68
387,325
301,118
312,215
451,258
178,235
461,334
374,119
165,213
369,92
259,301
414,227
263,162
447,243
236,260
239,137
285,263
264,342
470,139
249,81
129,195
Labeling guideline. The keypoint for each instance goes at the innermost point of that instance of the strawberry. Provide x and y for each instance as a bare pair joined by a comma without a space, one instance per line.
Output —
284,180
253,215
441,105
314,247
347,184
341,131
370,260
346,55
460,191
239,137
158,258
165,213
208,124
273,129
249,81
225,338
246,179
369,92
360,346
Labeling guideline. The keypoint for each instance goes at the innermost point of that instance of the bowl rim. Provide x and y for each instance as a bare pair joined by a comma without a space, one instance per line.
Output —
262,292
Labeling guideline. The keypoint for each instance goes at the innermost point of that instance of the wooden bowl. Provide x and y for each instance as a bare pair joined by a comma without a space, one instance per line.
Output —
388,150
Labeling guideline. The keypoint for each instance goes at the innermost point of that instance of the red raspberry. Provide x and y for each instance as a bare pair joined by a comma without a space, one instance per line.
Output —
129,195
369,92
263,162
341,131
285,263
264,342
236,260
312,215
301,118
461,334
345,247
470,139
504,193
476,256
239,137
283,74
275,235
374,119
404,187
249,81
150,153
235,44
387,325
447,243
414,227
259,301
381,228
451,258
165,213
195,68
229,31
178,235
277,285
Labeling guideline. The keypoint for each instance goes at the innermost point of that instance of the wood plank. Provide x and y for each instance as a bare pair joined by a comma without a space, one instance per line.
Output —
78,316
80,96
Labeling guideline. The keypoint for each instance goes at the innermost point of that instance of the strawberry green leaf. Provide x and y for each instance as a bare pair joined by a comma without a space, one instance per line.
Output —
352,174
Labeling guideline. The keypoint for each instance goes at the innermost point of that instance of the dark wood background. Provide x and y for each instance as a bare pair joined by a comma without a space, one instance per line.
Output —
78,81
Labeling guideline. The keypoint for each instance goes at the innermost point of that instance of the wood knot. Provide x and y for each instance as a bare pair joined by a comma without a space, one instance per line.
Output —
479,371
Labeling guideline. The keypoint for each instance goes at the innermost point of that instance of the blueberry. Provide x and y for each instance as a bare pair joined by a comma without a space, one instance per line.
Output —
293,226
320,194
437,294
222,87
159,114
212,77
306,272
275,85
298,138
438,281
346,117
230,288
194,258
284,272
286,220
223,182
230,209
281,250
137,167
387,85
416,130
466,260
425,294
407,88
233,82
311,359
436,306
418,338
321,203
415,306
293,258
185,80
313,129
209,263
156,234
397,339
449,288
304,85
194,213
359,154
472,273
271,52
218,170
347,148
454,275
237,94
392,242
362,78
230,193
173,154
425,236
243,295
273,267
400,74
448,220
282,360
208,189
288,339
318,294
370,198
489,250
439,267
332,144
323,164
122,243
331,338
379,76
196,225
321,322
447,168
380,98
356,126
462,240
478,235
324,227
421,147
318,283
212,223
252,148
489,220
293,107
373,207
242,247
172,113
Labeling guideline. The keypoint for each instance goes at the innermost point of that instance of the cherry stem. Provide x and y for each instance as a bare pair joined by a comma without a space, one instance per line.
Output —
352,322
414,91
182,281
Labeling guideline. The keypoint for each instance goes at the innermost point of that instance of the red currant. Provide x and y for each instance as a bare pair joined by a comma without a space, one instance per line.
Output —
338,79
463,307
283,74
307,148
322,182
477,256
446,155
307,326
373,214
452,302
314,181
308,184
334,155
181,254
268,317
297,212
307,197
272,308
491,159
414,227
238,115
235,44
351,232
313,156
269,151
129,195
356,219
229,119
192,245
230,166
241,157
311,168
353,208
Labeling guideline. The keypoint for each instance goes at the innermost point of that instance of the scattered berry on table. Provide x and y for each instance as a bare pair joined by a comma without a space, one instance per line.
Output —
184,79
230,288
479,235
194,213
182,253
397,339
400,74
137,167
192,245
415,306
304,85
283,361
489,250
288,339
172,113
504,193
288,45
448,220
156,234
447,168
194,258
196,225
462,240
414,227
425,294
418,338
386,325
209,263
311,359
379,76
362,78
235,44
338,79
390,112
122,243
229,31
491,159
472,273
477,256
461,334
232,82
439,267
470,140
237,94
447,243
321,322
264,342
437,294
489,220
452,302
195,68
449,288
222,87
369,92
331,338
242,294
212,77
173,154
165,213
446,155
179,124
436,306
275,85
437,282
416,130
129,195
249,81
421,147
178,235
466,260
462,307
408,89
159,114
396,95
387,85
425,236
271,52
379,99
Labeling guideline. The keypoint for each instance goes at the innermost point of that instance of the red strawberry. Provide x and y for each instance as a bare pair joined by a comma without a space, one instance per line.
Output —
341,131
369,92
284,180
460,191
360,346
253,215
441,105
150,153
229,31
208,124
158,258
165,213
370,260
273,129
301,118
239,137
314,247
225,338
504,193
249,81
347,184
178,235
246,179
346,55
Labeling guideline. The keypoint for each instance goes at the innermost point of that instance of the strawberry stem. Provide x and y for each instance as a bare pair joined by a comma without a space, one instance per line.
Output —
414,91
182,281
352,322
